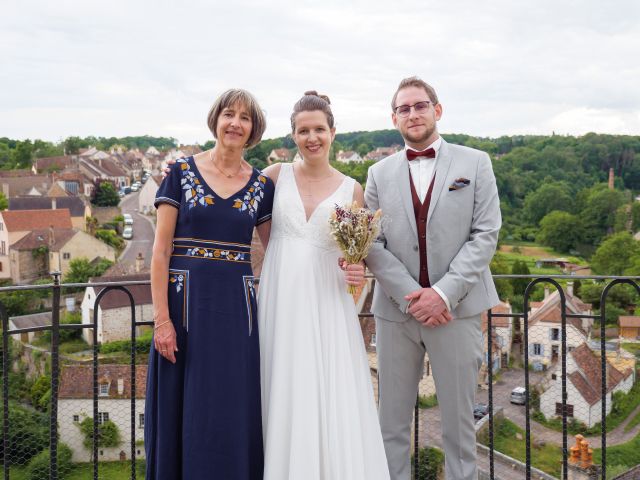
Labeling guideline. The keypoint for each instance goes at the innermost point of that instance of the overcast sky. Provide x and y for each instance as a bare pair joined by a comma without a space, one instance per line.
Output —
502,67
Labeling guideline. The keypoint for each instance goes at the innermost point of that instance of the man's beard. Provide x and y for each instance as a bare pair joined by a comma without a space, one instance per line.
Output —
420,138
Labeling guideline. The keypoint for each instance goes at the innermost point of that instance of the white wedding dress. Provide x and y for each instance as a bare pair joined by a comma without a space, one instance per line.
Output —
318,410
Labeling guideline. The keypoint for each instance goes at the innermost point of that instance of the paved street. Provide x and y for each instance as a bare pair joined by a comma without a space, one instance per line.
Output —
142,232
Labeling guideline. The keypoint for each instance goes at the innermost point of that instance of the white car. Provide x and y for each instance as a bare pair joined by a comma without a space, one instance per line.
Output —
127,233
128,219
519,396
135,187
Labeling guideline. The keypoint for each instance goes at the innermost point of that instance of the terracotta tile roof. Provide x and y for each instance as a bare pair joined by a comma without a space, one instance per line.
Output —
40,238
502,307
75,205
24,220
47,163
549,310
24,185
20,172
76,381
282,153
629,321
588,378
118,299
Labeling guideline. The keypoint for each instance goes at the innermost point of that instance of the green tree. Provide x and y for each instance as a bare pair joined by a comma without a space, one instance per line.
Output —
38,468
599,212
108,433
499,266
80,270
615,254
106,195
549,197
635,216
561,231
72,145
22,155
4,203
519,285
28,435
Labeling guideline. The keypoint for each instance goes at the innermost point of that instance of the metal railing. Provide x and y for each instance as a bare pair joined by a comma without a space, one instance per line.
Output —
10,462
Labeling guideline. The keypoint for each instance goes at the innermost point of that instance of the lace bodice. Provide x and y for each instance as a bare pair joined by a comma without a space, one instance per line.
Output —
289,218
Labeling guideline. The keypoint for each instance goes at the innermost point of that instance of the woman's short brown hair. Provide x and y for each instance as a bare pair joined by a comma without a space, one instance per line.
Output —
310,102
415,82
232,97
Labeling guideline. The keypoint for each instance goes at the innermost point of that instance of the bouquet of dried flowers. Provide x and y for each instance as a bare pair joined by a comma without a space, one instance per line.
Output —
354,229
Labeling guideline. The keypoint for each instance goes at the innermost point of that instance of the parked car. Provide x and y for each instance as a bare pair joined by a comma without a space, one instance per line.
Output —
121,193
127,233
519,396
128,219
135,187
480,410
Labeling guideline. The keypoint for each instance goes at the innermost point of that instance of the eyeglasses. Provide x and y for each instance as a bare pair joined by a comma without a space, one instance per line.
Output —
419,107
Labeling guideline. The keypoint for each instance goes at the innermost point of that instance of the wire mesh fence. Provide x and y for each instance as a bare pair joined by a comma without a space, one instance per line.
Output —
73,384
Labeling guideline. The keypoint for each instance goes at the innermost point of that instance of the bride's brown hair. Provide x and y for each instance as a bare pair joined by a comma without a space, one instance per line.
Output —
312,101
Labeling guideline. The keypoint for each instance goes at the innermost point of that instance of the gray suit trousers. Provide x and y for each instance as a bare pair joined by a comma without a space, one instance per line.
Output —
455,355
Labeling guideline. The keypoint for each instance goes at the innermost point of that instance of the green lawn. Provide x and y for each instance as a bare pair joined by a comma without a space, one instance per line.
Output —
633,348
625,454
547,458
84,471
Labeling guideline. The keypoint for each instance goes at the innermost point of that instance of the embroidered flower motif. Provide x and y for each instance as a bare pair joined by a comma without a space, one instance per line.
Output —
252,197
193,190
216,254
178,279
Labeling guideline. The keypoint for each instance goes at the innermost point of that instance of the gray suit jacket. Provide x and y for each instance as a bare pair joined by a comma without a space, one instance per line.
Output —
462,233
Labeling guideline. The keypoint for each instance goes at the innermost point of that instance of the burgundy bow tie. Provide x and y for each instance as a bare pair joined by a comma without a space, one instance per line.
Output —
428,153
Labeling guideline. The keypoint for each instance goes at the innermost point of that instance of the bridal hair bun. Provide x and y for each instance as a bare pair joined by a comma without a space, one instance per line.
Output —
311,101
316,94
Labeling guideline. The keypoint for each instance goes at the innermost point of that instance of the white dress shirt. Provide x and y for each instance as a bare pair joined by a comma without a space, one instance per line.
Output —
422,170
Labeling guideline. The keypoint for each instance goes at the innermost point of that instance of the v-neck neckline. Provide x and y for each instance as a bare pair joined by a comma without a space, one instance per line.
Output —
304,212
204,182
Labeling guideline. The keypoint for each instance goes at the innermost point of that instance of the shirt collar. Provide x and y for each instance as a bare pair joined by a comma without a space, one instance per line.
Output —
435,145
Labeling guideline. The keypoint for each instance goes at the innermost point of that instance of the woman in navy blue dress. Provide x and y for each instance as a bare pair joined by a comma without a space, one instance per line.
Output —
202,411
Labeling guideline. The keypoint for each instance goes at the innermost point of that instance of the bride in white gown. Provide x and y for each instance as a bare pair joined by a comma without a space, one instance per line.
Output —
318,410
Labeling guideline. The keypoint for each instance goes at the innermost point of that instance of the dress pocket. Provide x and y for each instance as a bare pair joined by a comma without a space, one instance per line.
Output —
250,298
179,294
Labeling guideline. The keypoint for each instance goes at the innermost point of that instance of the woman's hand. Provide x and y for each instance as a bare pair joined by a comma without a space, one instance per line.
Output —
164,339
353,272
167,169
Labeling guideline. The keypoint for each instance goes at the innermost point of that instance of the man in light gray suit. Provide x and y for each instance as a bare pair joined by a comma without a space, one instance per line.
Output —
431,265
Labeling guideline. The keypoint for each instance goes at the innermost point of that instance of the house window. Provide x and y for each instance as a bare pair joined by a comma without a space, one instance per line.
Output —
104,390
103,417
559,410
553,376
3,248
555,334
76,418
0,266
571,349
141,420
1,226
373,340
427,371
66,256
537,349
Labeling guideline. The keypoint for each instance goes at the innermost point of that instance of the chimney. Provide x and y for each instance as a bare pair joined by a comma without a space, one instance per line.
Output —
139,262
546,292
581,466
52,236
54,204
120,386
570,289
611,179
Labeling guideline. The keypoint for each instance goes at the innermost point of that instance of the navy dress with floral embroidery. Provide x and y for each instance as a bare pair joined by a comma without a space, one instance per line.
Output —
202,414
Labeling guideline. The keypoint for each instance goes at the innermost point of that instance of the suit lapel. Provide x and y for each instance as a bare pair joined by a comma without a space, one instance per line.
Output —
443,163
402,175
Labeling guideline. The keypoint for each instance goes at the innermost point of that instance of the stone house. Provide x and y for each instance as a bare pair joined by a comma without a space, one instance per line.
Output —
147,195
501,339
78,209
584,387
42,251
629,327
114,311
75,404
545,329
25,185
348,157
51,164
42,319
381,152
15,225
279,155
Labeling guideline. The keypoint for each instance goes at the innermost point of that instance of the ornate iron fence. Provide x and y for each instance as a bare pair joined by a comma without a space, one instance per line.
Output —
29,444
